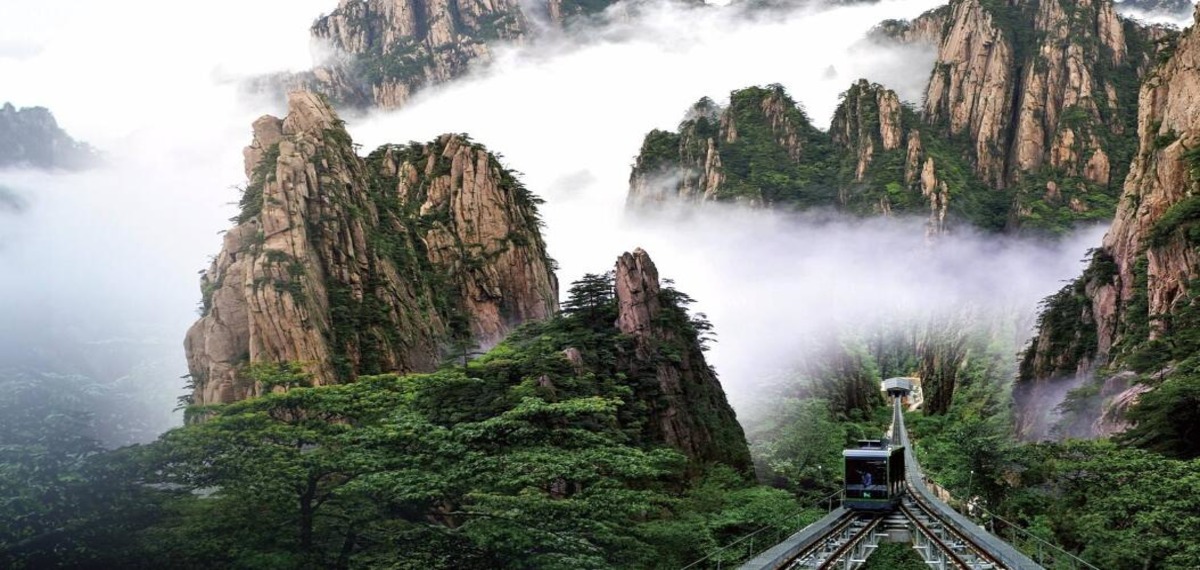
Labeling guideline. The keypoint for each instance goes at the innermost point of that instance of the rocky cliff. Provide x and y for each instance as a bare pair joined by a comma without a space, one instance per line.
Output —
386,50
341,266
31,138
925,29
752,151
687,407
1133,308
1027,125
762,150
1041,92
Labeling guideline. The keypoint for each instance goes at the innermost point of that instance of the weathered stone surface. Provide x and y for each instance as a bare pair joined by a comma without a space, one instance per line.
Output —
1046,100
869,162
324,270
971,88
1161,177
484,222
868,116
693,168
392,47
687,408
387,50
925,29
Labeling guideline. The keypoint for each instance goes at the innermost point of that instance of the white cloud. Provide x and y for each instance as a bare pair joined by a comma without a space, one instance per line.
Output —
571,116
114,252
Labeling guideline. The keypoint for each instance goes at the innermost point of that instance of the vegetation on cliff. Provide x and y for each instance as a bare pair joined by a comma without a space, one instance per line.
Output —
1126,329
387,51
763,150
543,452
355,266
1027,125
1116,507
31,138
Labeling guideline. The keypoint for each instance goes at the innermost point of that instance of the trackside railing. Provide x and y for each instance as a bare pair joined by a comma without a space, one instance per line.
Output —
744,547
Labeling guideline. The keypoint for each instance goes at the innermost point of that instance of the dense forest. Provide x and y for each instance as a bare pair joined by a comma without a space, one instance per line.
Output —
519,458
594,434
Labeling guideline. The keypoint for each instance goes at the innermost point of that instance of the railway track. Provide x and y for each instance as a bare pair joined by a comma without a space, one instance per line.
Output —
944,538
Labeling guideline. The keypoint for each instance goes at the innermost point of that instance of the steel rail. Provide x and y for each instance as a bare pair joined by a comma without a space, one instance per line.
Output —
1004,554
987,549
850,543
946,549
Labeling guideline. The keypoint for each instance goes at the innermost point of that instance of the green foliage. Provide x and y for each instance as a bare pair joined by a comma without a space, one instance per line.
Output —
270,375
64,503
758,165
406,63
895,556
1167,419
374,325
799,447
251,202
1075,201
660,150
1107,504
522,458
1118,508
578,8
1179,220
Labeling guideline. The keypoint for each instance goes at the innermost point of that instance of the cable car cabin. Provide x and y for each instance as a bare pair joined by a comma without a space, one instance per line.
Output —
874,476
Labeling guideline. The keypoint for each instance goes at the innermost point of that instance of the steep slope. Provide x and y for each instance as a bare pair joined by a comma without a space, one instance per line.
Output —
1042,93
30,137
1027,125
388,49
686,404
343,266
924,29
762,150
1133,308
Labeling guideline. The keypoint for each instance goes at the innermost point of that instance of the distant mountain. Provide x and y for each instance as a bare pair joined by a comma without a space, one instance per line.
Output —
389,49
30,137
1027,125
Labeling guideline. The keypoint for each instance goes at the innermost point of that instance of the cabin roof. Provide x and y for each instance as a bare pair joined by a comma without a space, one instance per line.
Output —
870,453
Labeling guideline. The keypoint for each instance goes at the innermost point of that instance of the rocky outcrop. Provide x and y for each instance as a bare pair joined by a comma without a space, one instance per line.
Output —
1133,302
31,138
345,266
762,151
1041,91
393,47
970,92
387,50
925,29
709,158
686,405
867,120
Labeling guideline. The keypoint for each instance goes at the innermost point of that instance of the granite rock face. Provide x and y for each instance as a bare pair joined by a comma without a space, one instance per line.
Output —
686,405
384,51
1032,84
349,266
1143,276
763,151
